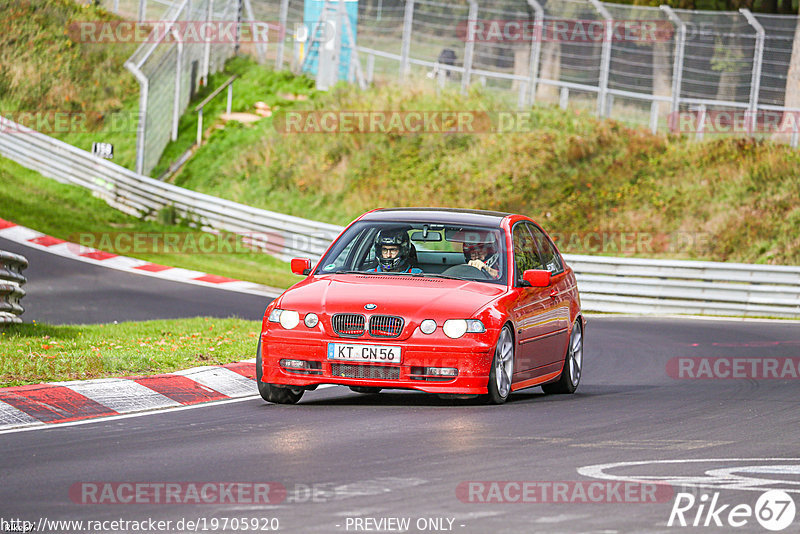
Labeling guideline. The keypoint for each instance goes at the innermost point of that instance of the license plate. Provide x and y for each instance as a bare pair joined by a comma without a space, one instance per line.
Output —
364,353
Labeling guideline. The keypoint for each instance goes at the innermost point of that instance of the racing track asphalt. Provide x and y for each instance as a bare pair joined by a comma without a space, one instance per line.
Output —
344,456
65,291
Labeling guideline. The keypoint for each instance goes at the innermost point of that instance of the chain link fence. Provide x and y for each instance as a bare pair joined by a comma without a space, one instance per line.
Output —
691,72
172,63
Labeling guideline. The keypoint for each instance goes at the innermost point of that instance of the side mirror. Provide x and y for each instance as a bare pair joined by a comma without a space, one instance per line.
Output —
537,278
301,266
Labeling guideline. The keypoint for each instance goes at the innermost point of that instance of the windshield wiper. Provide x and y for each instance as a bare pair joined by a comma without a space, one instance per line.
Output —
417,275
437,275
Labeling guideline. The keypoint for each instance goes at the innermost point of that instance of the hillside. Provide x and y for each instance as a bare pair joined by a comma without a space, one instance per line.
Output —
599,186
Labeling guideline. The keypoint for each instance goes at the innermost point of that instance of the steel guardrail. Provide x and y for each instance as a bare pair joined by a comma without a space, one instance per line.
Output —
607,284
11,282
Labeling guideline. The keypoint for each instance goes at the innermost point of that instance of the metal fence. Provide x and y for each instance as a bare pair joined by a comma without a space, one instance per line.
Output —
579,54
690,72
644,286
170,69
11,282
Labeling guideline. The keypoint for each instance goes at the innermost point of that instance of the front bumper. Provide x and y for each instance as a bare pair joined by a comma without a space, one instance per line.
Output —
473,361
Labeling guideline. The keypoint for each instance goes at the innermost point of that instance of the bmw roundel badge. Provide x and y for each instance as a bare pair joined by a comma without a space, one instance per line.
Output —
370,306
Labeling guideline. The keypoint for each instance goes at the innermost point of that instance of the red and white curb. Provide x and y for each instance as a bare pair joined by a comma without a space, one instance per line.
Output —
62,402
38,240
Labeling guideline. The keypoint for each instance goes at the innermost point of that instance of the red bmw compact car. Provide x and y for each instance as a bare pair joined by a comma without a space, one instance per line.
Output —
454,302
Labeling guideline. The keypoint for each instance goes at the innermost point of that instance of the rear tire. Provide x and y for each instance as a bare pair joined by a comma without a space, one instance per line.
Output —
573,364
502,368
271,392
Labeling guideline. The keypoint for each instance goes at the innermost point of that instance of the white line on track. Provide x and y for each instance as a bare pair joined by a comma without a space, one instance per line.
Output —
54,426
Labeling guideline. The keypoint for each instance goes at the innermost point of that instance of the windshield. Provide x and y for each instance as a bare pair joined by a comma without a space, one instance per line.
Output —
421,249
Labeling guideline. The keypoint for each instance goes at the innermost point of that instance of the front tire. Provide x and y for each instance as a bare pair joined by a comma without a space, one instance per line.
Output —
573,364
271,392
502,368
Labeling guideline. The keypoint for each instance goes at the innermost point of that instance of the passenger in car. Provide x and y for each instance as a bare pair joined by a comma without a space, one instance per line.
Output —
483,256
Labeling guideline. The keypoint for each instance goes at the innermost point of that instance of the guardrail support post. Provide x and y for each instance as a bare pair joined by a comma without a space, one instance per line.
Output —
141,125
176,104
207,51
701,122
200,127
283,20
563,99
405,46
677,66
755,81
605,59
370,68
536,48
469,49
654,116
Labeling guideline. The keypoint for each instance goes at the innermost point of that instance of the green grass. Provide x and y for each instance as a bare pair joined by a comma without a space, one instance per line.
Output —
33,353
71,213
724,199
46,69
254,84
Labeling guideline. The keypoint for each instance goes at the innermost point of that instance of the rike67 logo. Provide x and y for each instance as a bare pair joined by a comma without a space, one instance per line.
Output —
718,492
774,510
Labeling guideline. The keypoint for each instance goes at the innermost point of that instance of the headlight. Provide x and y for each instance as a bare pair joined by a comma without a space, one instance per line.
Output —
455,328
428,326
475,326
311,320
288,318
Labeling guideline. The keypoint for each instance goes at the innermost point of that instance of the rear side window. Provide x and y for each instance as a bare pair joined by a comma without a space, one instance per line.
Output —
550,260
526,254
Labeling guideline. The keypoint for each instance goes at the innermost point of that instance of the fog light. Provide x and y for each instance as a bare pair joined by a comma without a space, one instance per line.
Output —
311,320
428,326
442,371
293,364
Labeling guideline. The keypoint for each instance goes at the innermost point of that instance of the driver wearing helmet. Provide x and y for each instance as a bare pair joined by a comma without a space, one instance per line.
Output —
483,256
393,250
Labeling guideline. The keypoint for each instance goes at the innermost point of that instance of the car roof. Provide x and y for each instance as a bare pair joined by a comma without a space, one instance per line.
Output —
437,215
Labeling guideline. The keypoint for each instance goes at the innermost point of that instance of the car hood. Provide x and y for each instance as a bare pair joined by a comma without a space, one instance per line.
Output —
410,297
